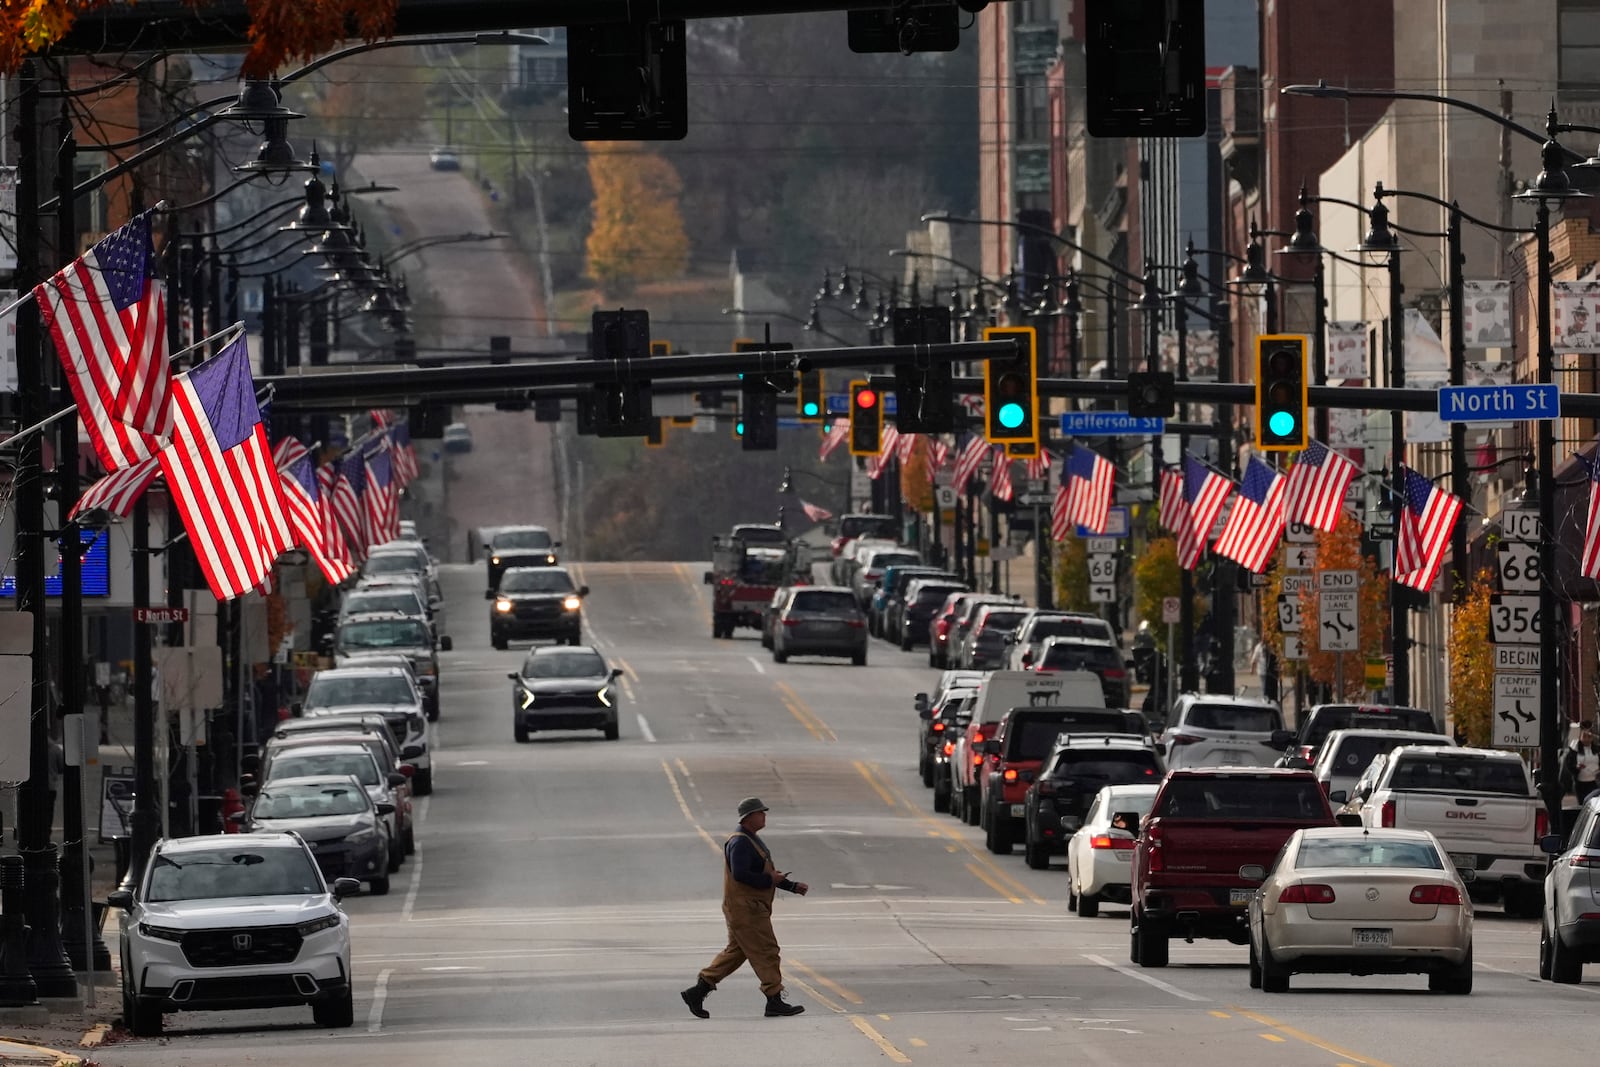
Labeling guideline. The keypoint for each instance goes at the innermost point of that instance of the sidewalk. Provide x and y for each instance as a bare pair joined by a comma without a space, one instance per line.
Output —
20,1054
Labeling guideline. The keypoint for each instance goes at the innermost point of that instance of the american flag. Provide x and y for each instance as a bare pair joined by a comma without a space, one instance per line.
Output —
118,491
333,535
381,417
349,501
887,446
833,438
815,512
1423,530
302,500
1061,513
1039,464
1590,564
1317,484
404,455
938,454
1204,492
383,497
1171,498
1090,479
1256,523
106,313
219,472
1000,479
968,460
287,452
906,447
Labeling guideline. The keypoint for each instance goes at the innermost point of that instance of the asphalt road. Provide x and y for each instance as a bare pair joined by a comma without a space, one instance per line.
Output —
565,890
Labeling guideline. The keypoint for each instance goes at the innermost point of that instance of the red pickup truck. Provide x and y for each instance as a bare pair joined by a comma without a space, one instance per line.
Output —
1204,825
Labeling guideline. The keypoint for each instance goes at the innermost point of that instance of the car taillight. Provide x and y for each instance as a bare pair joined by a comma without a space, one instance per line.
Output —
1436,894
1305,752
855,624
1181,738
1307,893
1009,775
792,622
1116,674
977,761
1584,861
1153,854
949,747
1386,814
1107,841
1047,788
938,727
1541,824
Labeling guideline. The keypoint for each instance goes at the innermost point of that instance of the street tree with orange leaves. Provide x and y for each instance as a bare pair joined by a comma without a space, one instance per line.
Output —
1338,549
637,233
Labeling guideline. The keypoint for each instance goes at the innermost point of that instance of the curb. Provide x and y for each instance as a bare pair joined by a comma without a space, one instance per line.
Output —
26,1054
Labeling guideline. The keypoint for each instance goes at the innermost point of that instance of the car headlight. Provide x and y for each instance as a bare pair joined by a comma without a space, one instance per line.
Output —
502,605
362,837
549,559
494,559
605,695
572,603
160,933
327,922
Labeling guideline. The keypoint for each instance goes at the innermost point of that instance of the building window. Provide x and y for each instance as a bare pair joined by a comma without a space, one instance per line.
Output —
1578,37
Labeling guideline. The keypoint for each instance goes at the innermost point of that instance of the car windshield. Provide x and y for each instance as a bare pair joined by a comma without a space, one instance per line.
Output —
762,535
331,691
1355,754
1095,629
384,633
564,665
521,539
393,563
1331,717
1460,774
1080,658
240,871
1316,852
308,801
1235,718
1034,736
1096,769
1002,622
819,602
295,765
882,560
868,526
1243,798
398,601
543,581
934,594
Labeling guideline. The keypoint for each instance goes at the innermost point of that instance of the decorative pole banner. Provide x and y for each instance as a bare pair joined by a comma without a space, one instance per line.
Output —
1575,316
1202,353
1347,352
1486,314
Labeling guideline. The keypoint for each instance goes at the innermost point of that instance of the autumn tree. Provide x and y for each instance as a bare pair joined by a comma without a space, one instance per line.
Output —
362,104
1155,577
1472,662
637,233
916,487
1072,575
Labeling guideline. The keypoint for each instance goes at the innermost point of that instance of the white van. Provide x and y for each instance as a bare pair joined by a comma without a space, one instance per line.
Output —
1001,691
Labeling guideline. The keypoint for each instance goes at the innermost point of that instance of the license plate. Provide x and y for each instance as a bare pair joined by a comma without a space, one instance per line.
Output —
1465,860
1016,811
1240,898
1373,937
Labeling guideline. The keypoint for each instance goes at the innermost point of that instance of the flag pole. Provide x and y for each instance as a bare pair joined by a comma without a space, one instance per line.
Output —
28,295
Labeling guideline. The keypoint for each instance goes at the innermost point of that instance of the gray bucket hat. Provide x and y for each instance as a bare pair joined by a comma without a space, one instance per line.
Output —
750,805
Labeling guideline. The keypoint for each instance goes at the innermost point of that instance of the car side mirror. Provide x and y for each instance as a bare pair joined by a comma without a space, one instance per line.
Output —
1550,844
327,641
1281,739
616,672
384,808
1071,823
344,887
920,702
445,644
514,676
1338,796
407,769
297,709
583,590
121,899
555,544
1129,821
1347,818
1253,872
248,786
396,778
488,594
924,713
411,752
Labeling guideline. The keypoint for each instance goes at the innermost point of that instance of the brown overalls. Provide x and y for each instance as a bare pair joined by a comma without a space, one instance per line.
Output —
750,937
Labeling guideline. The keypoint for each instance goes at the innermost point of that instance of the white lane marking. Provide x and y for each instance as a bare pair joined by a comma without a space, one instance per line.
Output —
644,728
756,664
452,968
1165,987
416,882
627,689
380,993
473,763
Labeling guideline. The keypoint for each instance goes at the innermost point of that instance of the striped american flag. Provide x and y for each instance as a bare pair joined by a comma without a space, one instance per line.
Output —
1171,498
1590,563
1039,465
1204,492
938,454
968,460
118,491
220,474
383,497
1091,479
333,535
287,452
888,445
906,447
836,435
1000,480
1256,523
106,313
1061,513
1316,487
404,454
302,500
349,503
1422,530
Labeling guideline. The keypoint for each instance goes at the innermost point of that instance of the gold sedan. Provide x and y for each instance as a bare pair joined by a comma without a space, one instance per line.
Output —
1348,900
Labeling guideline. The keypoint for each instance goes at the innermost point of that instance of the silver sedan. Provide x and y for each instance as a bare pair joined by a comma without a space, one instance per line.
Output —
1348,900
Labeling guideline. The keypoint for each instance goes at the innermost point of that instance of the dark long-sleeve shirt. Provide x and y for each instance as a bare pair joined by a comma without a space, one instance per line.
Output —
747,863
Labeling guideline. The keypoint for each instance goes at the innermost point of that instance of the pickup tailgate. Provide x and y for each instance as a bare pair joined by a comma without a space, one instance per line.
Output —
1470,823
1207,853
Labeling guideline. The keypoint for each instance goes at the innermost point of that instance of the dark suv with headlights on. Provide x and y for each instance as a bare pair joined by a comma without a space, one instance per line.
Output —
519,546
564,689
536,602
1080,766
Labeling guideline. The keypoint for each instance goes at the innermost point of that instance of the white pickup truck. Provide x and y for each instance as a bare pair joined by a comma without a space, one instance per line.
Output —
1481,806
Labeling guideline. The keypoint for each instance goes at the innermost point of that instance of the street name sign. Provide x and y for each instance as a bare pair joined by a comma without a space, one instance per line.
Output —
1498,403
1108,424
1295,584
1516,709
160,616
839,403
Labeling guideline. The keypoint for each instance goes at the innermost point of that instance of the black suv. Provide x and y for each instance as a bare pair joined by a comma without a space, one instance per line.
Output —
1322,720
1080,766
536,602
1101,658
519,546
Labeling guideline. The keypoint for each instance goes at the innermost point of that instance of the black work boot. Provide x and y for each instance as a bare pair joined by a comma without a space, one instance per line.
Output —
695,997
777,1006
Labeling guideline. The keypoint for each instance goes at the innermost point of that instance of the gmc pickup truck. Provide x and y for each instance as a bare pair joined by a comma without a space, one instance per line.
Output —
1481,806
1205,824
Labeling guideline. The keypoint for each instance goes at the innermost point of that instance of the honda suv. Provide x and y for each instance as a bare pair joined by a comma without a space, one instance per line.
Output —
1224,731
234,921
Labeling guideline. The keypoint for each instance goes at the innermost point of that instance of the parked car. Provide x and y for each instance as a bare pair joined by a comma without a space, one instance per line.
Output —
319,757
891,586
871,563
1569,922
1100,852
444,157
367,731
337,818
910,619
386,691
361,636
1347,900
234,921
983,647
820,621
967,610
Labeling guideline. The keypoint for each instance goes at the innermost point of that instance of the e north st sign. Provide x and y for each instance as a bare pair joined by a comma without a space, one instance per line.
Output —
1498,403
160,616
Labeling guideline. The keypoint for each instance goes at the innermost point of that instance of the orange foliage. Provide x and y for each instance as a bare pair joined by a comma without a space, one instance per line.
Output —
916,489
636,233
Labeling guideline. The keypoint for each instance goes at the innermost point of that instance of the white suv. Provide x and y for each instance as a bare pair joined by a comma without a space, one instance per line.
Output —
1208,730
234,921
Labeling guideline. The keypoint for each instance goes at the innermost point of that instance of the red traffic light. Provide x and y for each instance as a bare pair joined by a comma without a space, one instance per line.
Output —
866,398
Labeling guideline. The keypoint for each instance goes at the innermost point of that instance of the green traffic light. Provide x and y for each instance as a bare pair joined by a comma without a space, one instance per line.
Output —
810,408
1282,424
738,428
1010,415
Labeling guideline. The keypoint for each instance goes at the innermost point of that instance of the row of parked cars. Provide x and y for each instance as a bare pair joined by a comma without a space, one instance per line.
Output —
251,918
1358,843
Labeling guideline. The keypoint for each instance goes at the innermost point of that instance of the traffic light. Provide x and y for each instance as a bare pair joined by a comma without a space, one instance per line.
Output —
758,411
499,351
924,397
657,437
1281,392
621,409
1011,387
1022,449
1145,65
661,348
546,409
866,419
811,401
1151,394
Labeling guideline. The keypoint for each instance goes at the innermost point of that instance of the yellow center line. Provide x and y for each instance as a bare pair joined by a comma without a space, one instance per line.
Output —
917,1042
830,1005
683,805
802,711
978,873
1272,1037
883,794
894,1054
826,982
1219,1014
1301,1035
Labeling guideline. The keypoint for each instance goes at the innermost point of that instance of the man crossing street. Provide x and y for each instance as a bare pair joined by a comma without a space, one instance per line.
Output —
749,881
